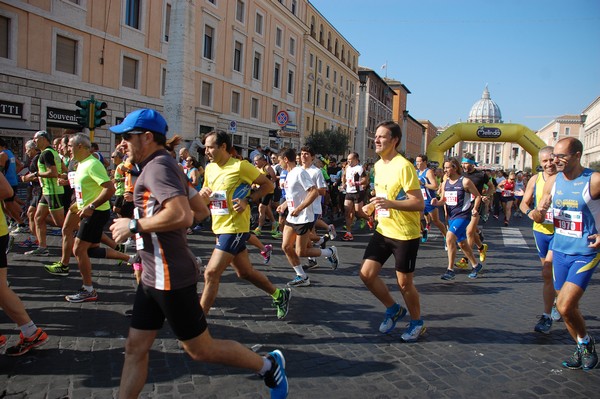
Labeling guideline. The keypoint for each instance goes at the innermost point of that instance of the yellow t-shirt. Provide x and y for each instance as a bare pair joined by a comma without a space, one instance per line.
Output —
224,181
3,225
547,226
392,181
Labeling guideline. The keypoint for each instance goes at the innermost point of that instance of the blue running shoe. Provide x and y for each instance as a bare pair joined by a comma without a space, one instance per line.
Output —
415,329
425,234
391,318
476,270
275,378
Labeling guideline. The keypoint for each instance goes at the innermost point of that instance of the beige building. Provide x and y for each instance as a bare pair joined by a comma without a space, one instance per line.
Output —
561,127
236,65
590,135
330,79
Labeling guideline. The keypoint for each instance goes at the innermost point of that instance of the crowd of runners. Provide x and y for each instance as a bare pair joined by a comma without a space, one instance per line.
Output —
156,196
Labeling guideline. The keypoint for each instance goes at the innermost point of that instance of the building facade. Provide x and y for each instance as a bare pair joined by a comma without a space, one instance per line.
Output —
590,135
235,65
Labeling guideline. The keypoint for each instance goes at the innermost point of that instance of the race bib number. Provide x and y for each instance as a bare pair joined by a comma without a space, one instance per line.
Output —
507,193
568,223
382,213
78,196
139,241
424,192
451,198
218,203
71,177
549,219
290,204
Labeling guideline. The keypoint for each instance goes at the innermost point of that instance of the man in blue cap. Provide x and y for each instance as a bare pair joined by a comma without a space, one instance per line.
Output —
168,285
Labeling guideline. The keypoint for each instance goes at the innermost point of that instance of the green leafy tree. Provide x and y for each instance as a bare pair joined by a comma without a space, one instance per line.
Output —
332,142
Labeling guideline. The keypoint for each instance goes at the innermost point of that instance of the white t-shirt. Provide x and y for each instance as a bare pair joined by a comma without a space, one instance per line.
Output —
317,177
297,184
352,181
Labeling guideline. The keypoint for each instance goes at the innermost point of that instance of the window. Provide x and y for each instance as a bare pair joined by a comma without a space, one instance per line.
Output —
213,2
318,97
132,13
240,10
258,24
237,57
206,95
208,42
334,76
327,71
167,22
163,82
294,6
66,55
319,65
235,102
311,59
254,108
567,131
309,93
290,88
278,35
276,77
326,101
4,37
130,73
333,105
292,46
256,65
274,111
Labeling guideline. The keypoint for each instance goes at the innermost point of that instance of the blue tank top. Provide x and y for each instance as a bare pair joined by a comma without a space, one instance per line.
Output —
10,169
458,200
428,194
282,178
576,214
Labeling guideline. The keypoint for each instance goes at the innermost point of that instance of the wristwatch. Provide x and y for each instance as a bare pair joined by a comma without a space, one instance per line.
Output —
528,211
92,207
133,226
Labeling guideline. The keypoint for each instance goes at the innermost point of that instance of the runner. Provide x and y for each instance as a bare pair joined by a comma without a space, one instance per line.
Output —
168,287
429,188
355,180
398,204
507,196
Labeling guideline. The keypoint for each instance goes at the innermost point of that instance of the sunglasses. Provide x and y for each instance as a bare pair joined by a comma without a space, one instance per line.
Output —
127,136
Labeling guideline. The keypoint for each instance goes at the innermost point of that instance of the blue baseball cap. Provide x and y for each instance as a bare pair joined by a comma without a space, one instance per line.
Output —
147,119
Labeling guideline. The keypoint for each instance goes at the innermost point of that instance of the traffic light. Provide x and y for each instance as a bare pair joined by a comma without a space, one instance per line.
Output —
99,113
83,113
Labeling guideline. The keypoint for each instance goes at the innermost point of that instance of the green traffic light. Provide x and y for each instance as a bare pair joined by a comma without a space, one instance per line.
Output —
99,113
83,112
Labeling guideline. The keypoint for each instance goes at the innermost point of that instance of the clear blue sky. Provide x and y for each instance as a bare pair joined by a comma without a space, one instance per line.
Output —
540,59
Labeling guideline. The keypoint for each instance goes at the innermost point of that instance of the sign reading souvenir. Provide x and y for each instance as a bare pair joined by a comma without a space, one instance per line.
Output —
61,117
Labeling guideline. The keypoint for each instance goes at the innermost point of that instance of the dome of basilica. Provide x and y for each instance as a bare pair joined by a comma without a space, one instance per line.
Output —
485,110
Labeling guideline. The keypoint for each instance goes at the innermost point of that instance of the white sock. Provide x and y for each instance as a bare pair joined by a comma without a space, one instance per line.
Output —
584,340
319,242
28,329
266,366
88,288
327,252
299,271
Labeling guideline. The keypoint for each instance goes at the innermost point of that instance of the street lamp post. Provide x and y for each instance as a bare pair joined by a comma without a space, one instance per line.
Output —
362,109
404,132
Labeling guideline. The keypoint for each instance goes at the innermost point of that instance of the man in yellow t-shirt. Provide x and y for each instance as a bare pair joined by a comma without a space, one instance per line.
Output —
226,190
397,204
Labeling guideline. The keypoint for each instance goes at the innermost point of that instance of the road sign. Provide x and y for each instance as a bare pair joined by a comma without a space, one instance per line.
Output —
232,126
282,118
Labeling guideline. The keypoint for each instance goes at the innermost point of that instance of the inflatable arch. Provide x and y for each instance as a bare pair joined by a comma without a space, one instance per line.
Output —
495,132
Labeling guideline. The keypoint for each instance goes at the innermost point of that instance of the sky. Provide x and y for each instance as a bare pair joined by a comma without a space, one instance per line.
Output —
540,59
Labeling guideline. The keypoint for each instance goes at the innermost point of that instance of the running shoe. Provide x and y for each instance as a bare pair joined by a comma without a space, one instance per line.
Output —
82,295
121,248
331,231
11,242
371,222
574,362
257,232
2,341
543,325
449,275
555,314
266,254
483,253
463,263
283,302
21,230
505,223
299,281
415,329
334,258
391,318
348,237
325,238
425,234
312,264
278,235
275,378
39,251
362,223
28,243
27,344
57,268
589,358
485,217
476,270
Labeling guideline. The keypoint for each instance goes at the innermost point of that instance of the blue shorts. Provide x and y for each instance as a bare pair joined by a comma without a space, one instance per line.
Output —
458,227
428,209
232,243
576,269
542,243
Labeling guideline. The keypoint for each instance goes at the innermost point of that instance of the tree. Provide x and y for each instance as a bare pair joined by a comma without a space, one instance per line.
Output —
332,142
